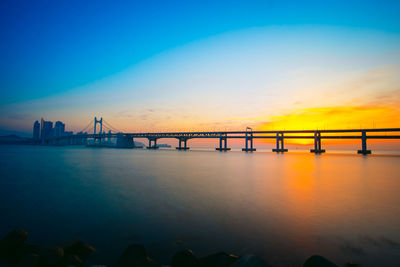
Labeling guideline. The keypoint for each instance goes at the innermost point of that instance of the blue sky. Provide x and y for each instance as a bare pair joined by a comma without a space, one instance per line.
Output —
52,50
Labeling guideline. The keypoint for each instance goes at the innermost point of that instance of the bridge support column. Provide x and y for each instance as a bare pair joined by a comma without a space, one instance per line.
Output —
154,146
224,147
364,149
124,141
249,139
317,144
184,140
279,140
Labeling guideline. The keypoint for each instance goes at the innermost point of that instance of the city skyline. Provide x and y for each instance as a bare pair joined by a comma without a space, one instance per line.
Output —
223,70
44,130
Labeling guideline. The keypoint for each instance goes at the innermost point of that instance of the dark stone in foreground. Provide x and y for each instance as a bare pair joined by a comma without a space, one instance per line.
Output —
220,259
250,261
12,241
76,247
51,255
16,237
135,255
318,261
73,260
11,244
14,252
29,260
184,258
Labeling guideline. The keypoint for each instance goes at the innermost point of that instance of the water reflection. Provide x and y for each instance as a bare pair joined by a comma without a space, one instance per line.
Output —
282,207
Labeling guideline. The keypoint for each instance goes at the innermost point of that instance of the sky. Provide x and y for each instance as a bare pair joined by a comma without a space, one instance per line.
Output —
152,66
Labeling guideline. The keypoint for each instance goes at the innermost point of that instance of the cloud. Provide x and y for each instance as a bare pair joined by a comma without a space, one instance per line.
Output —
365,116
124,113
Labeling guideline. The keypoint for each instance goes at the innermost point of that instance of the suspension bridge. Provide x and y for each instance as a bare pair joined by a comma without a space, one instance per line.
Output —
126,140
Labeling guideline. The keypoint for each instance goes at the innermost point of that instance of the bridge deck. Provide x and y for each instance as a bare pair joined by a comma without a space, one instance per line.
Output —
287,134
279,136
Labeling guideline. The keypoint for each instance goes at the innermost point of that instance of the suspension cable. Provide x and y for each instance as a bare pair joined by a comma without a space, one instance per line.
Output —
109,126
84,129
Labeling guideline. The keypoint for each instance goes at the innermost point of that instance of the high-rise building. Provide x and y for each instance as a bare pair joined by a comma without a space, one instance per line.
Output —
59,129
46,130
36,131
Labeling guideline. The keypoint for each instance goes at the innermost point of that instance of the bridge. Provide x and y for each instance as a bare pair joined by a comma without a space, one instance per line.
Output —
127,139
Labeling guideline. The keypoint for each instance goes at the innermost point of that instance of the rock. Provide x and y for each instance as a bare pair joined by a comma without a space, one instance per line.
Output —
184,258
18,236
71,246
25,249
11,242
51,255
135,255
220,259
250,261
73,260
318,261
29,260
77,247
85,251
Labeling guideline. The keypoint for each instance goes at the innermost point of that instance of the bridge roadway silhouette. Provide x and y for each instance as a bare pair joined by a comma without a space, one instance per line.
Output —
248,136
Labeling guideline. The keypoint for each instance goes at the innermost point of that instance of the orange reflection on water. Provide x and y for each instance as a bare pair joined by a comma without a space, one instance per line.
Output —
300,195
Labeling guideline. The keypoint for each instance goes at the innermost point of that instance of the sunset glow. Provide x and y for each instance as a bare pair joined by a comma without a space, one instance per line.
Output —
349,117
269,76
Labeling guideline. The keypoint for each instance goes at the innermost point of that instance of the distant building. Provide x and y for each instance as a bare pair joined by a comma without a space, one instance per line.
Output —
59,129
82,139
46,130
36,131
109,136
44,133
69,141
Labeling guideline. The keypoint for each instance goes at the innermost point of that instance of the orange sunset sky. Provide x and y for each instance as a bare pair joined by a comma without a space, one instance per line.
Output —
266,73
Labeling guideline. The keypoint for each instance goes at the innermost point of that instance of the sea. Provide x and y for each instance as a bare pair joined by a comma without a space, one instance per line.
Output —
281,207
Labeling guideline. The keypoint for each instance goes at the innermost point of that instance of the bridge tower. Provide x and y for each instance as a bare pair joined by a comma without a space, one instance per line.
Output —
95,124
96,121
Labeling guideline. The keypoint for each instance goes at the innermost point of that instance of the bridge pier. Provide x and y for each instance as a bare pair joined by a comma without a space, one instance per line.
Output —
224,147
249,139
317,144
364,149
154,146
279,140
124,141
184,140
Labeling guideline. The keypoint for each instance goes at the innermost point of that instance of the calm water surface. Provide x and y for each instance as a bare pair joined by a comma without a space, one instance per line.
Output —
281,207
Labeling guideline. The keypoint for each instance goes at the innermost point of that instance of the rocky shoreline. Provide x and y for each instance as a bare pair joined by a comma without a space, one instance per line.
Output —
16,252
